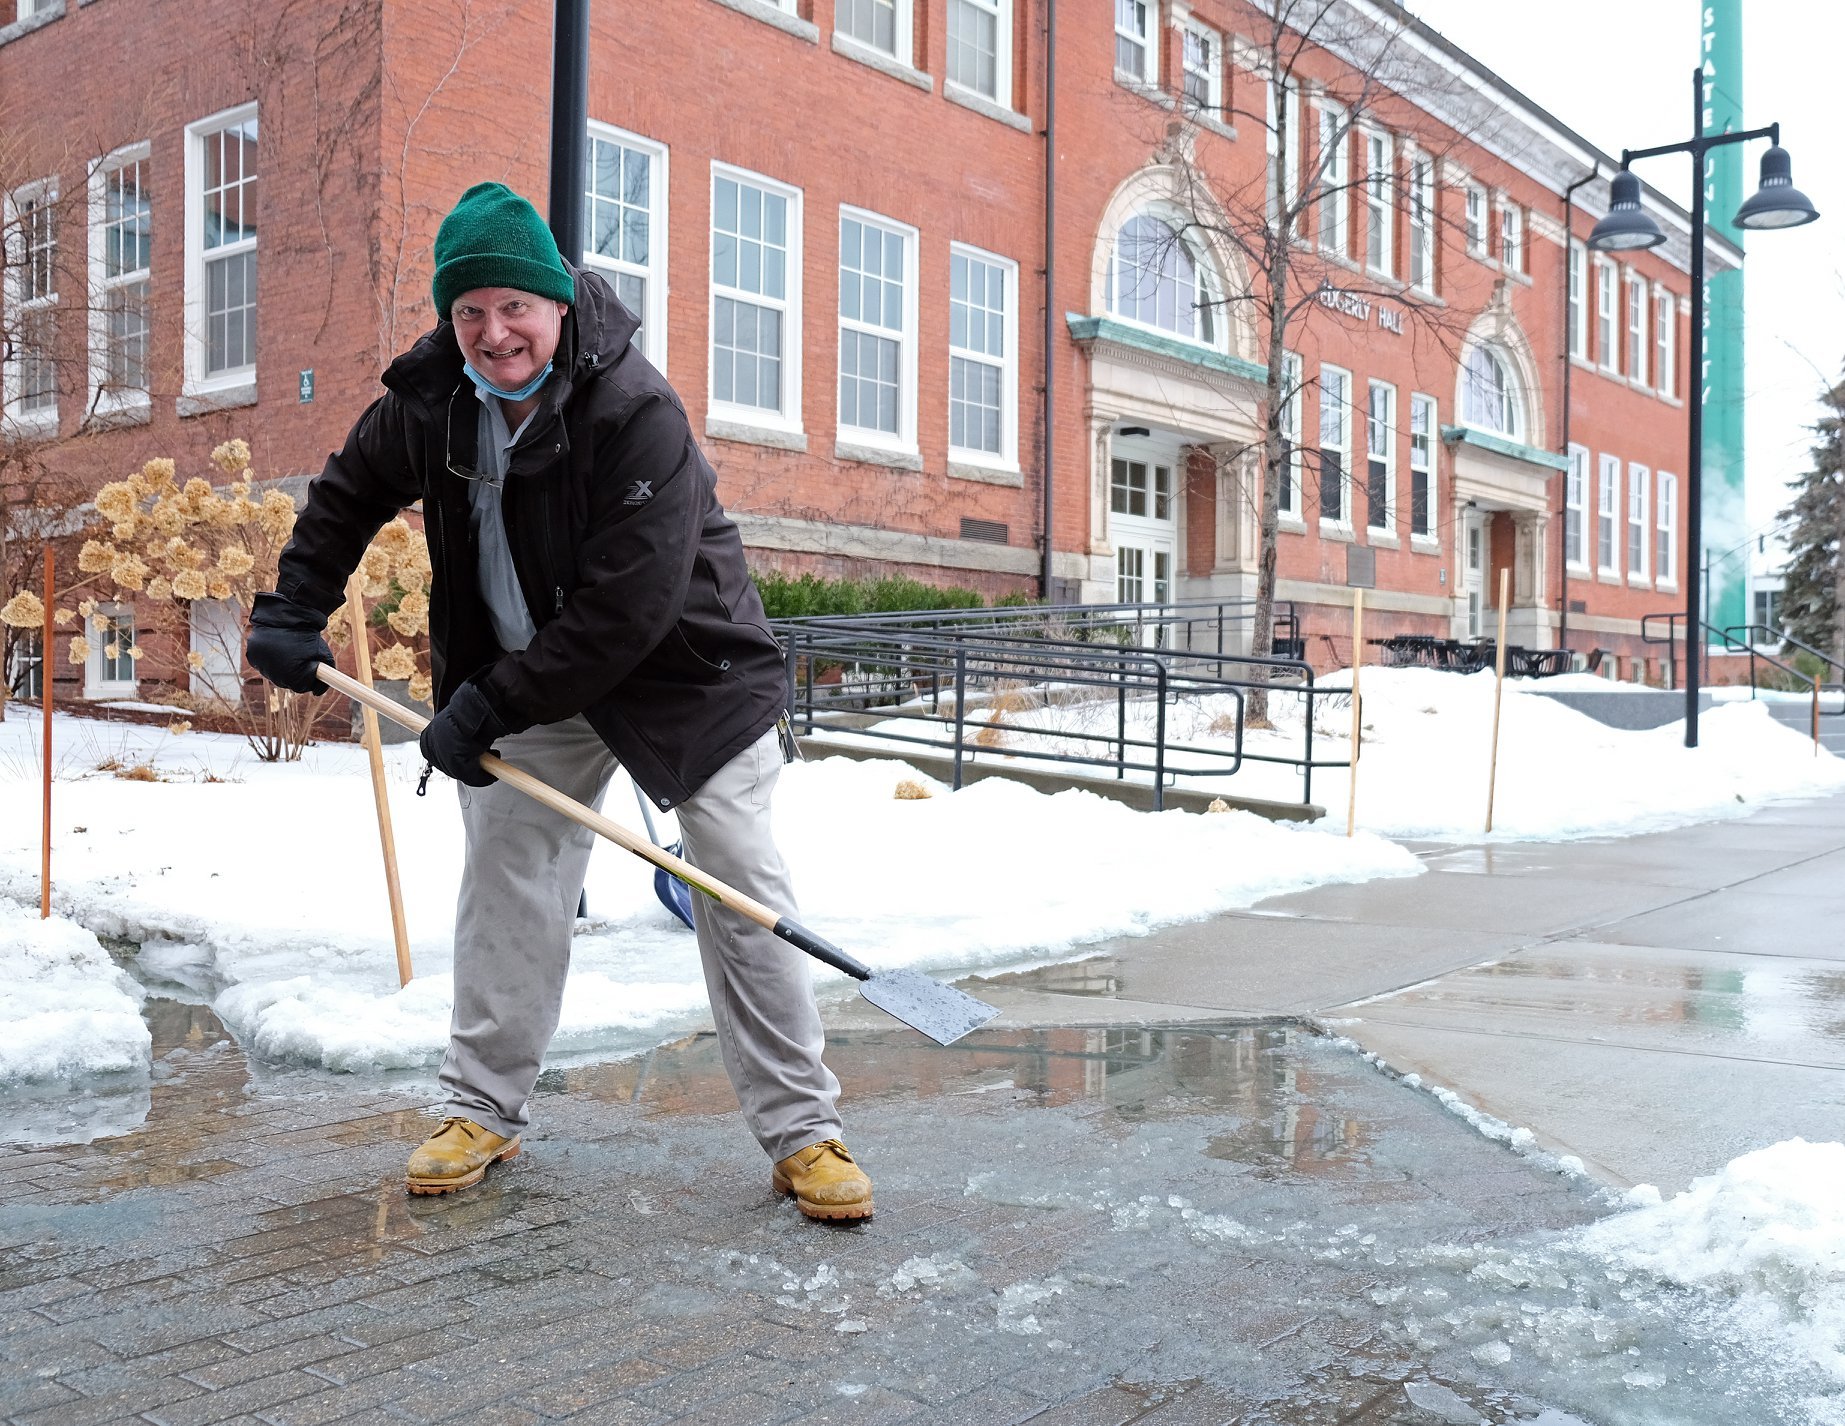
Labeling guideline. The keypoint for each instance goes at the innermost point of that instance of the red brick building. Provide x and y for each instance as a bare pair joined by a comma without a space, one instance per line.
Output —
831,216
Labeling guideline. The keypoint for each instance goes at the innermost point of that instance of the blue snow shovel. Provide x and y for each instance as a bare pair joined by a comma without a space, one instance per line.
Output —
674,894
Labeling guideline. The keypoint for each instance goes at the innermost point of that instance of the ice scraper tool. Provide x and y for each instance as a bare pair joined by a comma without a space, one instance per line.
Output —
940,1011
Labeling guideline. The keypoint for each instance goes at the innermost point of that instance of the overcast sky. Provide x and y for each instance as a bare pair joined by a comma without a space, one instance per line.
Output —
1619,73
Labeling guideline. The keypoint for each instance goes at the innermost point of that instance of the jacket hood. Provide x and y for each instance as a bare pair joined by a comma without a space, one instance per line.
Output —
596,331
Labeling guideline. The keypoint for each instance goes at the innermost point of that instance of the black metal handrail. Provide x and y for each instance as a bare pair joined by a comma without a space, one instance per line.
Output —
895,675
1144,624
1732,644
1784,639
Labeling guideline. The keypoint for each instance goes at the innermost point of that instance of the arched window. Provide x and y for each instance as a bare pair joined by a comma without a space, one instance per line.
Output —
1490,398
1155,279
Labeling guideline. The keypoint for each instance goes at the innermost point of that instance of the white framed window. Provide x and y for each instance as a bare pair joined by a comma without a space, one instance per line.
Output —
31,373
877,330
1283,169
755,299
1665,343
1607,511
109,672
1511,238
1380,214
221,244
1607,318
121,266
1579,300
1490,398
1137,41
1335,444
625,227
1576,510
1381,458
1202,59
1157,280
980,48
1476,220
25,664
882,25
1638,531
1333,195
1287,500
983,362
1424,524
1422,222
1637,349
1665,530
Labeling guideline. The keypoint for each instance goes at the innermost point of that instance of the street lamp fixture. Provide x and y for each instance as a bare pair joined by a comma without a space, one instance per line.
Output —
1629,227
1776,203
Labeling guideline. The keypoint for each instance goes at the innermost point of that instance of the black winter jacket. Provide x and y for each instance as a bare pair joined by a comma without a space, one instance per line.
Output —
647,620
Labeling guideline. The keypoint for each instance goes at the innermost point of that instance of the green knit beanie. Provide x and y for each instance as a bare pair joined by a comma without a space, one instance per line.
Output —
494,238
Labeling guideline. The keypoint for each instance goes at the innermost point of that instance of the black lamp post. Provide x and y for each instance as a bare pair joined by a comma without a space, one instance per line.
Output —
569,125
1628,226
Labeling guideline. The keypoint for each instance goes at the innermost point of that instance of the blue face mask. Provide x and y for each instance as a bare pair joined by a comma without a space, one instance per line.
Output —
519,394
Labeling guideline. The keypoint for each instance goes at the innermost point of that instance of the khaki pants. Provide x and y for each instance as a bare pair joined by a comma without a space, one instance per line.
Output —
519,890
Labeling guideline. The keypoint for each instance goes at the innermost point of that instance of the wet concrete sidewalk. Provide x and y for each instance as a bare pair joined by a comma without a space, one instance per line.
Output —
1654,1005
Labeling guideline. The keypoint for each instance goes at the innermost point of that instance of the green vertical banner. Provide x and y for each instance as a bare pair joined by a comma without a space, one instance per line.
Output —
1721,381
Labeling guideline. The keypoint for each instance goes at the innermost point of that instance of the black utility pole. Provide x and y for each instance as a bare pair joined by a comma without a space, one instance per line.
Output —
569,125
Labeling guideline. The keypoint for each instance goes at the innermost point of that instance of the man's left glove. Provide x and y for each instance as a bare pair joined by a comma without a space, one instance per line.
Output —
455,738
285,644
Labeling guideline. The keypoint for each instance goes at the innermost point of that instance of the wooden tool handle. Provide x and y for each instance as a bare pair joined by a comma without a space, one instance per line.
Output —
592,819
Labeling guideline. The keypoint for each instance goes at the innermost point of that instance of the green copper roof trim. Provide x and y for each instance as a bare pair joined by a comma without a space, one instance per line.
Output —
1499,445
1107,329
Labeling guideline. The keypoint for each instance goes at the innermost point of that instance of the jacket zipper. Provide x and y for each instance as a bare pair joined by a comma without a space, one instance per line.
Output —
557,590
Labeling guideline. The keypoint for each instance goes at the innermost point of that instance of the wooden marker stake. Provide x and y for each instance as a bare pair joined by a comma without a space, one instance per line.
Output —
46,671
362,659
1358,658
1492,772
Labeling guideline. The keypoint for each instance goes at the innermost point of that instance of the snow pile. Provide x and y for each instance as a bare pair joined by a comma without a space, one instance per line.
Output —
283,923
68,1011
1619,782
1768,1231
1427,750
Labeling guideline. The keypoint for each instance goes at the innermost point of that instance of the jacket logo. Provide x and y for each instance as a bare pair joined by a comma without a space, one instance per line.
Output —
639,493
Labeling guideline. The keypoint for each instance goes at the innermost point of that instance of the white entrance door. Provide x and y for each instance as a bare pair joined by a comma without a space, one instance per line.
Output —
217,638
1473,572
1143,525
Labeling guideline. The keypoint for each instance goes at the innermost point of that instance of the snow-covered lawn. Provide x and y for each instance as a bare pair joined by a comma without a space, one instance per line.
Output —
260,887
1427,747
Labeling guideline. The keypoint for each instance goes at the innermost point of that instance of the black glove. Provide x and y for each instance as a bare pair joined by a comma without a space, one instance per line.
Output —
285,643
455,738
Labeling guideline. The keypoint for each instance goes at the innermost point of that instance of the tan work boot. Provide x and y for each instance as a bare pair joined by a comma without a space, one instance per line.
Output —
456,1156
825,1181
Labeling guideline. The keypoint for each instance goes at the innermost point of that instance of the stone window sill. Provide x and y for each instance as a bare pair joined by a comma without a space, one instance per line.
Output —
217,398
877,455
864,54
719,429
776,16
980,104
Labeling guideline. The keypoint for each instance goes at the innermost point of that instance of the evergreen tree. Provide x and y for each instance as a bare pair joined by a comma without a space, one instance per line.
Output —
1810,609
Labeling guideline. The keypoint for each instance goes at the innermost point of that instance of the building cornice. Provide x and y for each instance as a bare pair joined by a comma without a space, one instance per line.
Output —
1500,446
1118,341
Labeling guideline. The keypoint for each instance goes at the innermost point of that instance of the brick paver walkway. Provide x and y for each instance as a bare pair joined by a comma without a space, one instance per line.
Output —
1081,1226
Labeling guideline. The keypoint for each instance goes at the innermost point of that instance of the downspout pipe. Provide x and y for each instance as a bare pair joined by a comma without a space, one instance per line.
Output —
1050,296
1563,448
569,124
